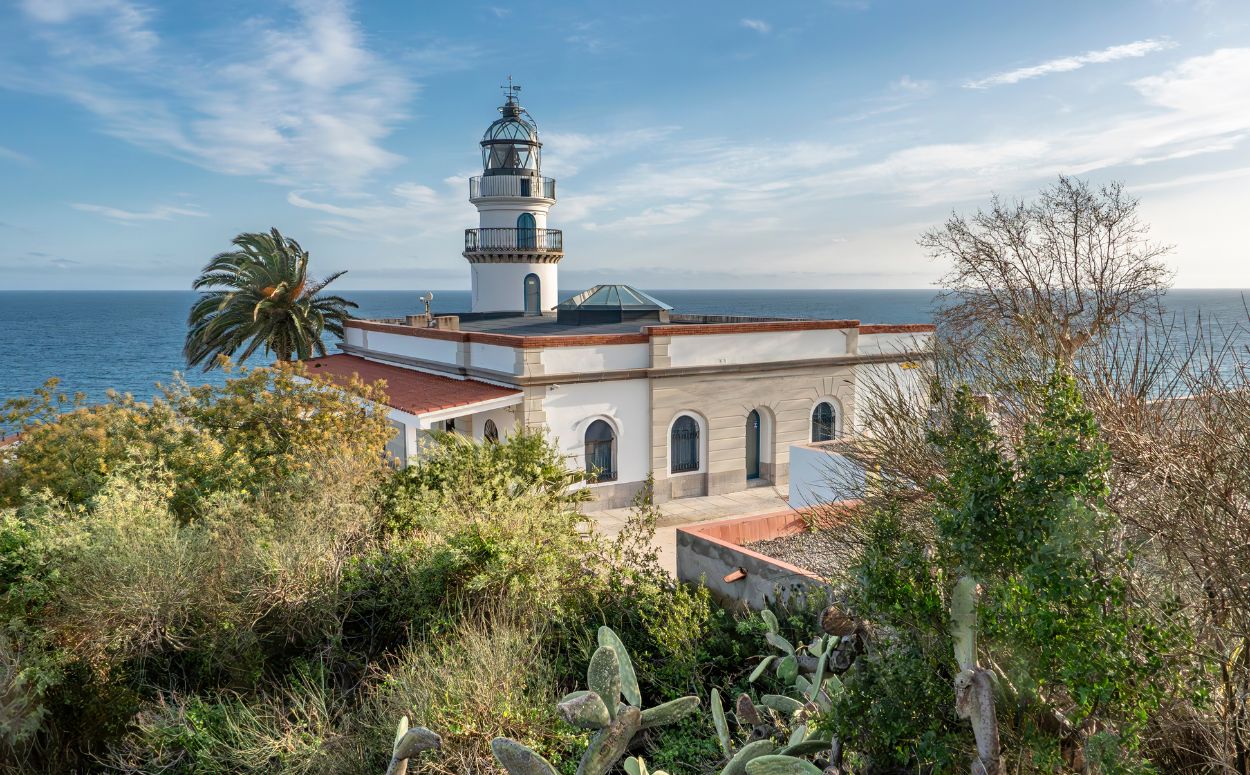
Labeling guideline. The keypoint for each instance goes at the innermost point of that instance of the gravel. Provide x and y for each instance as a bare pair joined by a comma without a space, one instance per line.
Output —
817,552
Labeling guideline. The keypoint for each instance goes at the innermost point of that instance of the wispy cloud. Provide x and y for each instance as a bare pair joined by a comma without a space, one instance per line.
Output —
305,103
909,85
8,154
158,213
759,25
409,210
1138,48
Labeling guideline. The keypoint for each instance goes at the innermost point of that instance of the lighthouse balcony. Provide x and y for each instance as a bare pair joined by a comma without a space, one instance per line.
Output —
524,186
505,240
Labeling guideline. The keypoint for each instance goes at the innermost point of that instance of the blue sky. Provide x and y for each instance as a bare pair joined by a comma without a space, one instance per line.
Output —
696,144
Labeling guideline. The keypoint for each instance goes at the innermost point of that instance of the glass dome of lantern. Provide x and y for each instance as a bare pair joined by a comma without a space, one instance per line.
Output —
510,145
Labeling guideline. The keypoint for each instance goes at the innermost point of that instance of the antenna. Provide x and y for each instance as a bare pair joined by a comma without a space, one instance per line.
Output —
427,298
510,91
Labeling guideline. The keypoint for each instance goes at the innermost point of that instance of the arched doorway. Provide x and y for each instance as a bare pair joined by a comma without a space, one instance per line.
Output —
533,294
526,233
753,445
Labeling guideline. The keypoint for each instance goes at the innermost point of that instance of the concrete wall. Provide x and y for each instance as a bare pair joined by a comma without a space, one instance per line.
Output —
502,212
762,347
708,553
581,360
819,474
501,287
438,350
494,357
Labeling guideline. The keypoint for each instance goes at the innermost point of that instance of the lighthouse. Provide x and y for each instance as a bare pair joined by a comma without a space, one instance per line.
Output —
512,254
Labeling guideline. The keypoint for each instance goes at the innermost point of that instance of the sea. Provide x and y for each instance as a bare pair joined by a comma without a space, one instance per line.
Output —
130,341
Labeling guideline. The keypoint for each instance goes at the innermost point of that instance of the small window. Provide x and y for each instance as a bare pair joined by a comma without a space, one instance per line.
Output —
490,432
450,425
824,422
684,445
600,455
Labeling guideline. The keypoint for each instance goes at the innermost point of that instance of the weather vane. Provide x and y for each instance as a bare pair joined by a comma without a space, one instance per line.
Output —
510,90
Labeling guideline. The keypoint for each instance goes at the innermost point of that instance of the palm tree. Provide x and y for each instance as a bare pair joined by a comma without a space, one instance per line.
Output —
261,296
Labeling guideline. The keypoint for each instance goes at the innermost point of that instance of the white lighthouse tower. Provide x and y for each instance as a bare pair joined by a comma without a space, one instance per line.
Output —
512,254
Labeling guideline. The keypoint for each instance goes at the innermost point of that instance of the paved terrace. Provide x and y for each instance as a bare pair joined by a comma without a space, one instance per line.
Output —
687,511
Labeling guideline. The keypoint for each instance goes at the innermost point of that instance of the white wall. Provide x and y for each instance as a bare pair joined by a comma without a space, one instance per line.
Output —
501,287
354,336
570,360
625,403
502,212
822,476
762,347
875,382
439,350
877,344
505,422
493,356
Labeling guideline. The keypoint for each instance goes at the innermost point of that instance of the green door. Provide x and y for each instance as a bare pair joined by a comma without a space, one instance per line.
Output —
753,445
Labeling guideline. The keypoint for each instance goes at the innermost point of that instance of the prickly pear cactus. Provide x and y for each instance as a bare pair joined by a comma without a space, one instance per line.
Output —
409,743
778,736
974,686
610,677
635,766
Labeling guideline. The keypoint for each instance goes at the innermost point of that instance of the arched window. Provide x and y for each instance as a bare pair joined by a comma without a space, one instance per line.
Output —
533,295
600,455
490,432
824,422
526,233
684,445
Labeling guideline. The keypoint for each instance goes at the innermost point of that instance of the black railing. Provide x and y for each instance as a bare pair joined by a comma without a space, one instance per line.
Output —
537,240
512,185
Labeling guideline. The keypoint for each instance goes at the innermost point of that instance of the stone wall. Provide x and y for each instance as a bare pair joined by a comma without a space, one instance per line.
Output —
723,400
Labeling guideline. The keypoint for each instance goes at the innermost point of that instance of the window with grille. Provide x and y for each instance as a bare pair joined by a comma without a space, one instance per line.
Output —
684,445
600,455
824,422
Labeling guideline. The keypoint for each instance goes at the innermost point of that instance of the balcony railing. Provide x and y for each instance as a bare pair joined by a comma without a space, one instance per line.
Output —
491,240
512,185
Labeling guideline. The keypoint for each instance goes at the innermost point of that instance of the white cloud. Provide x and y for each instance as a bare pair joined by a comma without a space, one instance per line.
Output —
907,84
411,210
94,32
157,213
759,25
1138,48
664,215
302,103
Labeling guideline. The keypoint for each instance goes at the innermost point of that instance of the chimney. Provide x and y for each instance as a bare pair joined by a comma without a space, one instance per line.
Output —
447,322
418,321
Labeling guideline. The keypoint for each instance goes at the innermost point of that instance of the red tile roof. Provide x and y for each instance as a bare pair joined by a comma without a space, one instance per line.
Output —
408,390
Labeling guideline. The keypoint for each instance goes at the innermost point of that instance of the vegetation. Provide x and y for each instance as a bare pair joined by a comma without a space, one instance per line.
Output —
234,579
260,297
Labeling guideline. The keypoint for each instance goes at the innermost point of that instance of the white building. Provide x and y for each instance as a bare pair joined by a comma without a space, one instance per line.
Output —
624,385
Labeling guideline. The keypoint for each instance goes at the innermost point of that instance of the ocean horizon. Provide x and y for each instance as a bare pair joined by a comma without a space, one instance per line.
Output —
130,341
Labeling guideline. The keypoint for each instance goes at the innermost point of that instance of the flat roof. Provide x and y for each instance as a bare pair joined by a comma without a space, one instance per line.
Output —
518,324
408,390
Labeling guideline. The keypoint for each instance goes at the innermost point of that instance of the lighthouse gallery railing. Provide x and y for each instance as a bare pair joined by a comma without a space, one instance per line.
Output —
512,185
489,240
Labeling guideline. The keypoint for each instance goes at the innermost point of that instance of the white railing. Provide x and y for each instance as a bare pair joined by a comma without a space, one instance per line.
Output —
512,185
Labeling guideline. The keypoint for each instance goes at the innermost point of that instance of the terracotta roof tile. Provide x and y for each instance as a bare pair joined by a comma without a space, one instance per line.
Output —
408,390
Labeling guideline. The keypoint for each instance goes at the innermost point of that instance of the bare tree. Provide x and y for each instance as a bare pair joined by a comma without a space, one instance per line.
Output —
1058,272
